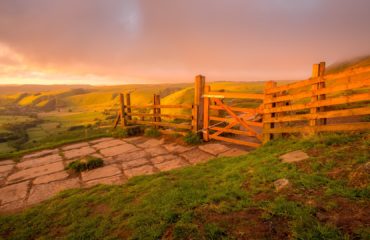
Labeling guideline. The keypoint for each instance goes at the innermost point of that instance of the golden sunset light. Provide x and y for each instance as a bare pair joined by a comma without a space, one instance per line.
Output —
184,120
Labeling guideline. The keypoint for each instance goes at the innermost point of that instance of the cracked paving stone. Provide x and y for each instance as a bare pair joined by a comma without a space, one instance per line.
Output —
234,152
196,156
117,150
107,144
35,172
79,152
14,192
163,158
152,143
113,180
6,162
74,146
176,148
51,177
143,170
169,165
135,163
41,153
102,172
155,151
35,162
214,148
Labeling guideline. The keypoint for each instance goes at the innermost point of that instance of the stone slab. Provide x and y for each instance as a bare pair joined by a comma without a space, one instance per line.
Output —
42,192
152,143
12,206
74,146
169,165
135,140
101,140
113,180
131,156
35,162
41,153
107,144
14,192
6,168
163,158
176,148
143,170
135,163
196,156
51,177
6,162
234,152
214,148
35,172
79,152
102,172
156,151
117,150
295,156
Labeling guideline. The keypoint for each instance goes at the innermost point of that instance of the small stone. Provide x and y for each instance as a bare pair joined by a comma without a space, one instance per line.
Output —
143,170
14,192
41,153
51,178
35,162
6,168
135,163
35,172
196,156
152,143
155,151
295,156
234,152
280,184
113,180
163,158
102,172
175,148
117,150
6,162
169,165
79,152
74,146
42,192
107,144
214,148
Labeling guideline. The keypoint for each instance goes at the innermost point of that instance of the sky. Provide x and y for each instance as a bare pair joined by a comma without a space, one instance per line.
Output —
105,42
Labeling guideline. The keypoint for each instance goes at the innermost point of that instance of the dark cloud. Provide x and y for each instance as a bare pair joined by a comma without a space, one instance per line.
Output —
166,40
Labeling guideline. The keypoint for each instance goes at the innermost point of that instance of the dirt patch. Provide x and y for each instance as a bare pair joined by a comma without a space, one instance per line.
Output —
99,209
249,224
360,177
347,215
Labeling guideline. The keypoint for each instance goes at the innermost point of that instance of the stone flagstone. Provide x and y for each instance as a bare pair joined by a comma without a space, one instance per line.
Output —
295,156
51,177
79,152
107,139
108,180
152,143
35,162
169,165
41,153
42,192
36,171
214,148
234,152
155,151
74,146
108,144
135,163
6,162
143,170
131,156
163,158
196,156
14,192
117,150
102,172
6,168
175,148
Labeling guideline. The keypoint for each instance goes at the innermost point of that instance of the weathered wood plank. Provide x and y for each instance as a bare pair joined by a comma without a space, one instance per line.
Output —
249,144
235,95
228,120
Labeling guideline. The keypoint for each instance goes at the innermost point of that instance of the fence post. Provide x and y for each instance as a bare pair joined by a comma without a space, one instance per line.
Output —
198,103
154,109
207,89
322,85
158,102
122,112
314,97
267,126
128,106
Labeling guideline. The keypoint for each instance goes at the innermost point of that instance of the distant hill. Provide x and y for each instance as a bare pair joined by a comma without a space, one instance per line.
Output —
348,64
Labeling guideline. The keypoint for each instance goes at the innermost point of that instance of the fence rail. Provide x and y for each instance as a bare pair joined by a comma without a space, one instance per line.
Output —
306,106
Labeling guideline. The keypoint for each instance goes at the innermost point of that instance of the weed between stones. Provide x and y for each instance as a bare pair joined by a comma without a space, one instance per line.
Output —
86,163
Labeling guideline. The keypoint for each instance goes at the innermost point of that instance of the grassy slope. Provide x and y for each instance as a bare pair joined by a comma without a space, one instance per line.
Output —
352,63
226,198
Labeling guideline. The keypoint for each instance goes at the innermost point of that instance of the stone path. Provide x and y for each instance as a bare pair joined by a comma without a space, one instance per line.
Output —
39,176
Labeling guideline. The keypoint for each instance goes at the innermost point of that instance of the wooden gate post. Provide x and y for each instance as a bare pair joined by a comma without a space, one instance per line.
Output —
158,102
154,109
128,106
318,71
122,112
322,85
207,89
198,103
267,126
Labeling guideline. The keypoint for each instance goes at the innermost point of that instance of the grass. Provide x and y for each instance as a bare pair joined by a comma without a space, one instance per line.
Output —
87,163
226,198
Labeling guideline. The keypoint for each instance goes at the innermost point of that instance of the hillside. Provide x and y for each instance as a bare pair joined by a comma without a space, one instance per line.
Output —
348,64
227,198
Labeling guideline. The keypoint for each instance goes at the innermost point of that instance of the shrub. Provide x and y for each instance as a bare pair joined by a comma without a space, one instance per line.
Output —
84,164
152,132
120,133
192,138
77,127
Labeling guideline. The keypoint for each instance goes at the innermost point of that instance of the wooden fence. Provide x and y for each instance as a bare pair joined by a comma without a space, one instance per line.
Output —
324,102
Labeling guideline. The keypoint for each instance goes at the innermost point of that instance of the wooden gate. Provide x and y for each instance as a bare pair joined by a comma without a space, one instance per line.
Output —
244,125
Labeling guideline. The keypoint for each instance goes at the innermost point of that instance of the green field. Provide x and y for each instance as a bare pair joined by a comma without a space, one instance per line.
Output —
226,198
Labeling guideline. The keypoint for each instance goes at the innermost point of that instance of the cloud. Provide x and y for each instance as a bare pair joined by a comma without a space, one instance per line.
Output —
172,40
